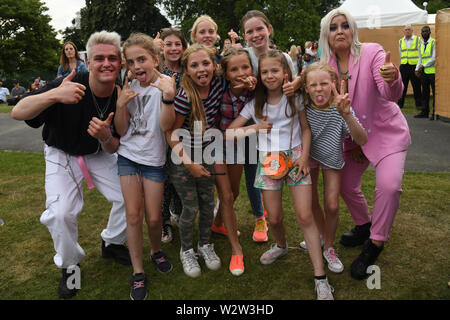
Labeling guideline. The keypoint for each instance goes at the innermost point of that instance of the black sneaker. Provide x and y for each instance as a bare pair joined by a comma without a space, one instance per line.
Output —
138,283
118,252
161,262
356,236
63,290
367,257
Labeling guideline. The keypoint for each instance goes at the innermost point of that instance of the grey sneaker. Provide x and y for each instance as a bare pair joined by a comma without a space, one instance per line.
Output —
303,243
167,234
190,264
273,254
212,261
334,264
324,290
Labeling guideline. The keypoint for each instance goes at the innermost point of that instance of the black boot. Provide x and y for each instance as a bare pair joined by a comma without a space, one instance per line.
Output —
63,290
356,236
368,256
118,252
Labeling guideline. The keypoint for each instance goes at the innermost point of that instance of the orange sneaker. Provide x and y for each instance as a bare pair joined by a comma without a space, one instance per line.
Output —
260,232
221,230
237,264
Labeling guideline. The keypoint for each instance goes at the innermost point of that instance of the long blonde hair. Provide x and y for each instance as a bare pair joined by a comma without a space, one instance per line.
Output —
261,90
197,107
355,47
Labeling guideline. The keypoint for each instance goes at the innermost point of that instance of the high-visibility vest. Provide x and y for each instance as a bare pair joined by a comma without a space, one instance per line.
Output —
409,55
426,55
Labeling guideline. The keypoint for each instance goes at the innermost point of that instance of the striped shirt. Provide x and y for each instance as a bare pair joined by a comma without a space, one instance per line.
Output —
211,107
328,131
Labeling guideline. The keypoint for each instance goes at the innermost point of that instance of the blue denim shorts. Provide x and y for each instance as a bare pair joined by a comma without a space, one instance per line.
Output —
127,167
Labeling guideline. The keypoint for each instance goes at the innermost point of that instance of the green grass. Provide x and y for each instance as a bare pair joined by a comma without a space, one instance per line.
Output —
414,264
4,108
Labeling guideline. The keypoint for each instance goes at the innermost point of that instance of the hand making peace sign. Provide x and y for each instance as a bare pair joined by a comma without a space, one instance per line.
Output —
342,99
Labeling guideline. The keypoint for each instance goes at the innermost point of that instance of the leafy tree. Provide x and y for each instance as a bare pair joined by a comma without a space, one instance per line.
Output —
433,5
294,21
122,16
28,43
73,33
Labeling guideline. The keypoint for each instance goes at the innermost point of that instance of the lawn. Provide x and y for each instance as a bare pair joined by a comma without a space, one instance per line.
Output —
414,264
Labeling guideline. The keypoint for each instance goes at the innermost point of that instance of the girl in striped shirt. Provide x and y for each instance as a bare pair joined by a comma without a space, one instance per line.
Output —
331,118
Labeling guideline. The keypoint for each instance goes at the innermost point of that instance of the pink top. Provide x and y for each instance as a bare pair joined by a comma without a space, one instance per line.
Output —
374,103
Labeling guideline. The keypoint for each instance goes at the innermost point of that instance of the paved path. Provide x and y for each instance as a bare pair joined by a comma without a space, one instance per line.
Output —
430,149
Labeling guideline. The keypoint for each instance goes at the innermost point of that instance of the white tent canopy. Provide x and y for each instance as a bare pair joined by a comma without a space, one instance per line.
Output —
383,13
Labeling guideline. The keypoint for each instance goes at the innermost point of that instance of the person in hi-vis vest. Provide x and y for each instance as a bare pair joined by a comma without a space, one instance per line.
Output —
409,55
425,70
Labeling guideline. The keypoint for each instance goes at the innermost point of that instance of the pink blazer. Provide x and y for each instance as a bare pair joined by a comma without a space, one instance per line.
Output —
374,102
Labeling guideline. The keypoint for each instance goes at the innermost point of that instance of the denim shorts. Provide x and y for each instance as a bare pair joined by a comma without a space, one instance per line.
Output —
127,167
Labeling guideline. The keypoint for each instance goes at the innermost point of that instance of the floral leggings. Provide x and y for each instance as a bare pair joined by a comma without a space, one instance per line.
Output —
197,196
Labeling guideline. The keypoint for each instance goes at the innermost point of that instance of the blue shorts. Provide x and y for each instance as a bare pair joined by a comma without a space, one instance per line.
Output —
127,167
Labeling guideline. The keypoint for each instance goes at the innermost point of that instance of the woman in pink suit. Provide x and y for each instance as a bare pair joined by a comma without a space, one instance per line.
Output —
373,83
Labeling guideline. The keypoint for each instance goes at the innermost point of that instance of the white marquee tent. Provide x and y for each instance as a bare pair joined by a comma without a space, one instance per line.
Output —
384,13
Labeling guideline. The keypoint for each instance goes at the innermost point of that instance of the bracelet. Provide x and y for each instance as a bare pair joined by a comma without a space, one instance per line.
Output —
107,140
167,101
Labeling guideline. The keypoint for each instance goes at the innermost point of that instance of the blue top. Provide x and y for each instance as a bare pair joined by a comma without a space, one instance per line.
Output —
81,67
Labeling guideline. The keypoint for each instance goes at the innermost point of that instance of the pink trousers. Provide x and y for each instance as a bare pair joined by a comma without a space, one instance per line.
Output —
389,173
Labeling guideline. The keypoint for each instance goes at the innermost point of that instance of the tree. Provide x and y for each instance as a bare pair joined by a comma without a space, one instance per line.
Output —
433,5
73,33
122,16
294,21
28,43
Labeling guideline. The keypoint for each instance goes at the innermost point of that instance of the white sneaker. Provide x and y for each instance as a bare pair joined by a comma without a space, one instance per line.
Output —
324,290
273,254
212,261
334,264
303,243
190,265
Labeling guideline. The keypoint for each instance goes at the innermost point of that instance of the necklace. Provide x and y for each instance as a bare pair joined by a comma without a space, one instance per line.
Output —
344,75
101,112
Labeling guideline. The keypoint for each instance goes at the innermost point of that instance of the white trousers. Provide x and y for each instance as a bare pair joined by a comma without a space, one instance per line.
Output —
64,202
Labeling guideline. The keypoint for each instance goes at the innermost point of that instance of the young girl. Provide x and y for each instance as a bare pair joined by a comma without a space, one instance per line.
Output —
237,69
286,129
174,45
204,31
196,105
331,118
141,120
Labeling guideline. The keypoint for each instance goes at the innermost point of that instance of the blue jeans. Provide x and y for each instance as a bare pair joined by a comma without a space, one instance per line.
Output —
254,194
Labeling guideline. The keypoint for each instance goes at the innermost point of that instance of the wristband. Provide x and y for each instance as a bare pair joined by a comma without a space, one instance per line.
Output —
107,140
167,101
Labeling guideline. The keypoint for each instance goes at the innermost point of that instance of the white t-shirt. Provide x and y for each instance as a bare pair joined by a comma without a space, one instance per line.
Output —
144,142
255,63
4,93
279,137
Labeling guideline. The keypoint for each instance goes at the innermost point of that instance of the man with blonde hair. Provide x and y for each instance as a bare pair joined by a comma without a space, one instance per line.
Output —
77,114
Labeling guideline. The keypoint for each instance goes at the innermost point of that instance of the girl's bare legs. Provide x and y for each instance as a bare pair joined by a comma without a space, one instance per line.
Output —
226,207
132,194
153,193
319,216
274,208
302,197
331,182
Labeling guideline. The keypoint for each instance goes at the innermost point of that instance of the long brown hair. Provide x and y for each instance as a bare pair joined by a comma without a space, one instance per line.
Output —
63,60
261,90
197,107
